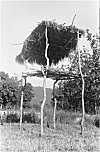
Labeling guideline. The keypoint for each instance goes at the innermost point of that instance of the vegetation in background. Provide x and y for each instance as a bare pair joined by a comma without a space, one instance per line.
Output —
68,94
10,92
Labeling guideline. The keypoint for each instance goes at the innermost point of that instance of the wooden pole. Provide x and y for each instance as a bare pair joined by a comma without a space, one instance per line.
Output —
83,85
43,103
1,85
22,95
21,109
54,118
1,106
44,71
55,101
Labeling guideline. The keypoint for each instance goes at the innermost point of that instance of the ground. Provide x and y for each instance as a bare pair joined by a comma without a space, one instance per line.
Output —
66,138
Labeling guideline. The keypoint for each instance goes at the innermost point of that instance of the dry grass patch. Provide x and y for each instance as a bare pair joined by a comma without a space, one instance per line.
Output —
66,138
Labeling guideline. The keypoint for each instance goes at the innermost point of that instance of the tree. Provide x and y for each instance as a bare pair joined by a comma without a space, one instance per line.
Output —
28,95
9,90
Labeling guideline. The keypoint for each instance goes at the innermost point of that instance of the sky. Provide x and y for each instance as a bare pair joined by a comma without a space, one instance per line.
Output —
19,18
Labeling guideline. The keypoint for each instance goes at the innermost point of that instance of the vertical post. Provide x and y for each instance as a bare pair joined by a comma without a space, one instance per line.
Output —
44,71
83,83
21,107
1,106
55,105
44,100
1,99
83,108
54,118
21,110
24,76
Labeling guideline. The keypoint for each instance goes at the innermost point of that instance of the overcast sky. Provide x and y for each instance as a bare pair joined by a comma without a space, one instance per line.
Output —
19,18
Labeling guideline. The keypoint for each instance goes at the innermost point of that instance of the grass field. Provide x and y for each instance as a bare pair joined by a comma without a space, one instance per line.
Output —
66,138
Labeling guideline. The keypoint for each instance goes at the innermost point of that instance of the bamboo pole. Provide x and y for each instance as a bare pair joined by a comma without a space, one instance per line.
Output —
83,85
44,71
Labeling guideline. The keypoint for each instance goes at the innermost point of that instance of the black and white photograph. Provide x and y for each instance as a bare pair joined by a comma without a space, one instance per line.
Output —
49,76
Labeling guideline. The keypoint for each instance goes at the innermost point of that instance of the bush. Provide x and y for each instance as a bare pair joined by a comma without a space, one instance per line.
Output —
60,116
48,113
66,117
12,118
97,122
29,118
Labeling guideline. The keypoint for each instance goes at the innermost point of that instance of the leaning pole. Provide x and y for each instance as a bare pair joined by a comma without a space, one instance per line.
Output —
83,83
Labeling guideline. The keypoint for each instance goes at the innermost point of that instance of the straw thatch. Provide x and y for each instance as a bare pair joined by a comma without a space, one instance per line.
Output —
61,40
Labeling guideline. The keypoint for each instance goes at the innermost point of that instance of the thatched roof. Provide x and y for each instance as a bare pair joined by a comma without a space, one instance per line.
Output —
61,40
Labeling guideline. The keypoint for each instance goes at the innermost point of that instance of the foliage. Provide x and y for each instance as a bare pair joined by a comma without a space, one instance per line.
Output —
97,122
68,93
29,118
10,91
28,95
12,118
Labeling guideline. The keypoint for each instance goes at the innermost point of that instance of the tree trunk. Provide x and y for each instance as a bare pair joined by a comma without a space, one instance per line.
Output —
83,108
43,103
